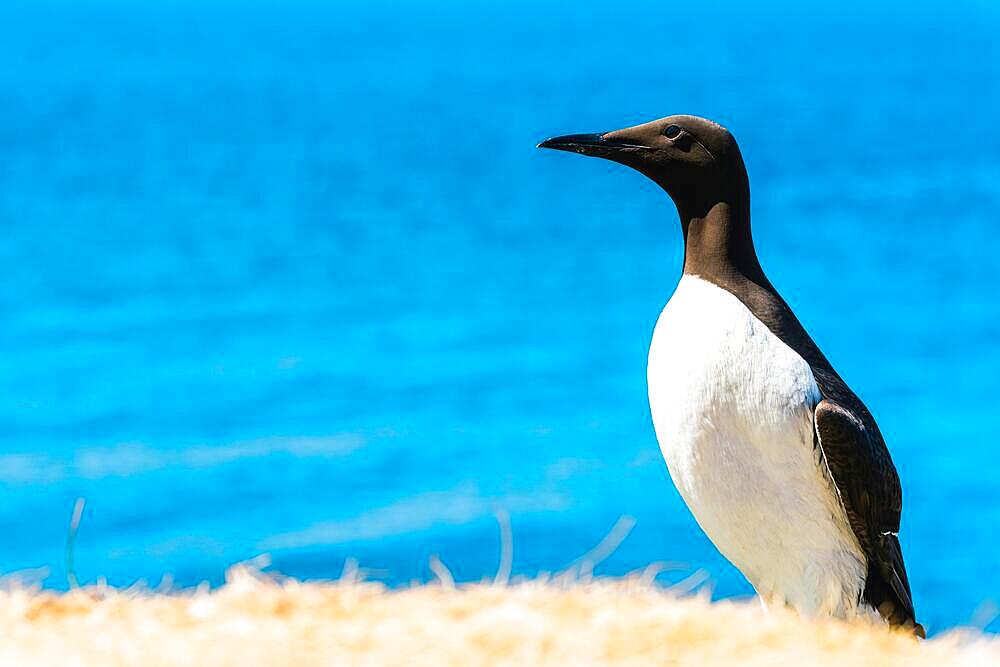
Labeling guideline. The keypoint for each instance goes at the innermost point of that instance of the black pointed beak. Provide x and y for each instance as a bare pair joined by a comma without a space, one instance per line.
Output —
597,145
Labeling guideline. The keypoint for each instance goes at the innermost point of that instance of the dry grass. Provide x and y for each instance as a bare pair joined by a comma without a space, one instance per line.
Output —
255,620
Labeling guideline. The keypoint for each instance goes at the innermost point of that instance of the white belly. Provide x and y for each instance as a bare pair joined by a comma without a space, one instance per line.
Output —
733,407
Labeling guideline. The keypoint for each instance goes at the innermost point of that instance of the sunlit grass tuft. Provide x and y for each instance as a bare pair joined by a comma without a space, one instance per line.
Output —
569,618
261,620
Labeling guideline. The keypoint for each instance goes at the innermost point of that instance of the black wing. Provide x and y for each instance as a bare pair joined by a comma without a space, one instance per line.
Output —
869,489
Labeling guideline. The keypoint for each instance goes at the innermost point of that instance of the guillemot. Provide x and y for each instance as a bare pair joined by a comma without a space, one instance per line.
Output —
780,463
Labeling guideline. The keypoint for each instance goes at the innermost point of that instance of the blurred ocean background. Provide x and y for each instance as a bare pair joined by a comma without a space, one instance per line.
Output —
294,280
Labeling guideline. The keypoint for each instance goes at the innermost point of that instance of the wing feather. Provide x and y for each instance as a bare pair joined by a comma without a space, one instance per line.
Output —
869,488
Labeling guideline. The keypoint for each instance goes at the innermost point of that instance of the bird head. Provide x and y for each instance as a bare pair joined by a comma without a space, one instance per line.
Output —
695,160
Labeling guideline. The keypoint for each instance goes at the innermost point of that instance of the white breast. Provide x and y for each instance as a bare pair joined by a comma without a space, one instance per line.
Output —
733,408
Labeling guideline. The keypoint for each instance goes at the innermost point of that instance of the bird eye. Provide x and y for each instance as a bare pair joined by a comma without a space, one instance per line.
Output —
672,132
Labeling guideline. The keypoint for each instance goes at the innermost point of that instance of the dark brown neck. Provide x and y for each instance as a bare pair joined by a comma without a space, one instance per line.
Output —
718,243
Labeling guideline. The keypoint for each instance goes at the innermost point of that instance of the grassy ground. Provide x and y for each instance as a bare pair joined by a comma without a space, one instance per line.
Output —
255,620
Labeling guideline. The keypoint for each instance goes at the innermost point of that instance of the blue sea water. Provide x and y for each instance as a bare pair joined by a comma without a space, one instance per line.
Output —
293,279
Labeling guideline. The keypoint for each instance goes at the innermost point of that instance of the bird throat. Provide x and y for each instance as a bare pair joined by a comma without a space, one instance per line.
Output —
718,245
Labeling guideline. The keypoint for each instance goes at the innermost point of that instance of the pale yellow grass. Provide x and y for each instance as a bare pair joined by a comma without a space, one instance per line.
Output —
254,620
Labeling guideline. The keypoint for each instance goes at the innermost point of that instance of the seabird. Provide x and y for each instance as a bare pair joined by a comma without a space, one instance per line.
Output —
780,463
